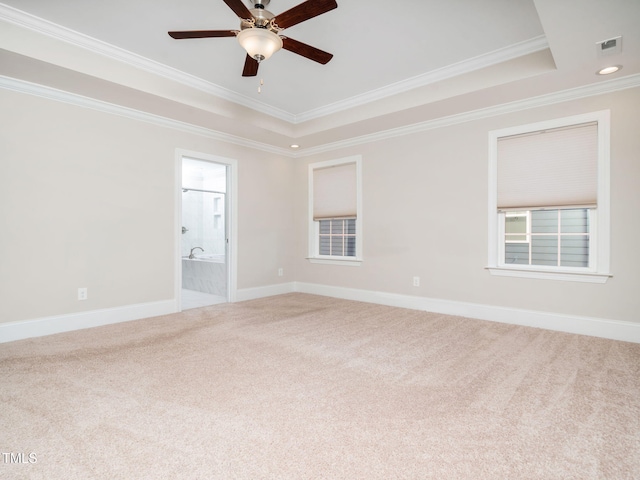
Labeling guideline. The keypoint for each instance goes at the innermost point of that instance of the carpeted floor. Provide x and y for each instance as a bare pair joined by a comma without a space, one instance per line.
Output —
308,387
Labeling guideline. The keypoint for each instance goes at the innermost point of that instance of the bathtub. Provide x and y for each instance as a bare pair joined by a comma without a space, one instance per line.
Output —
208,257
205,273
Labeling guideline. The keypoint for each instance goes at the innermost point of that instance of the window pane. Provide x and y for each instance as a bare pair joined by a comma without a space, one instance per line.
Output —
336,227
516,253
544,250
351,247
351,226
574,251
325,245
336,246
515,224
544,221
574,221
325,226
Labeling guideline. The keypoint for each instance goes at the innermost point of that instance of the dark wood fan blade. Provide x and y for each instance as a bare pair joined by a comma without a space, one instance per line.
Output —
250,67
312,53
304,11
239,8
203,34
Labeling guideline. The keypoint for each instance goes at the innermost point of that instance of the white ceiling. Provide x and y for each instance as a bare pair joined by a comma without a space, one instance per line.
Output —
396,62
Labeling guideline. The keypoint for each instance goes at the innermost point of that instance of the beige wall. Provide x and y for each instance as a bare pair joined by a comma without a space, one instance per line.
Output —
87,200
425,214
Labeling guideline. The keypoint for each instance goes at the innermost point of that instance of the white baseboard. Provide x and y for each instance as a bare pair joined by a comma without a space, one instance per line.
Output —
76,321
267,291
594,327
40,327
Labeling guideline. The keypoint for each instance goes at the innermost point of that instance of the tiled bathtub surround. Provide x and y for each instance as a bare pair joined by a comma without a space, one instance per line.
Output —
205,275
204,222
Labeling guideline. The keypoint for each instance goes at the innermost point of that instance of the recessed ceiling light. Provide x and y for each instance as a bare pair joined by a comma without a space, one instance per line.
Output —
294,146
609,70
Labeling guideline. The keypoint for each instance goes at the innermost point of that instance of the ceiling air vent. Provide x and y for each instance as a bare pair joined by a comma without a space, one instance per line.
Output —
608,47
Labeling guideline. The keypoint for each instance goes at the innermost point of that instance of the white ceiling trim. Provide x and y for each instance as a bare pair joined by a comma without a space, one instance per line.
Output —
50,93
45,27
50,29
466,66
609,86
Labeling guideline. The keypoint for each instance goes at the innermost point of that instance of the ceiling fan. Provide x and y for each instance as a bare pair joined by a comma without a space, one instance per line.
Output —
260,29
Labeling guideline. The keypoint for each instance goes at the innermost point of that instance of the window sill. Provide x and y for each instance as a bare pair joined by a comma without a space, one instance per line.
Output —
351,262
563,275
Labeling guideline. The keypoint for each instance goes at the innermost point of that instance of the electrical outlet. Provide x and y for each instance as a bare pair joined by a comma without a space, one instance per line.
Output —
416,281
82,293
280,272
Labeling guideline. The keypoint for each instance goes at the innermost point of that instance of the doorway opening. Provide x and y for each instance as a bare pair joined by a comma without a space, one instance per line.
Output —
204,260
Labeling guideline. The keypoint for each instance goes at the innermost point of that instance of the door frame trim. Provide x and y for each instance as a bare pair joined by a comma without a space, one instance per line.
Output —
231,220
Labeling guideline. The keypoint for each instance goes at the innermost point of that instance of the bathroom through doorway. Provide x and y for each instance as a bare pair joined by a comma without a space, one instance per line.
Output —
204,233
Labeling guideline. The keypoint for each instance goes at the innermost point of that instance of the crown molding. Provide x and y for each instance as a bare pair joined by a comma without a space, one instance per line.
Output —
600,88
467,66
45,27
50,29
49,93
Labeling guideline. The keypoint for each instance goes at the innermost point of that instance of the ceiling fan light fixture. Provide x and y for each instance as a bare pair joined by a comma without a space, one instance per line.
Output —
259,43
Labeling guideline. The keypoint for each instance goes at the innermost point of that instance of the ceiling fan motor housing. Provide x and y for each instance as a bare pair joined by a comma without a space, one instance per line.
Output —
261,16
261,19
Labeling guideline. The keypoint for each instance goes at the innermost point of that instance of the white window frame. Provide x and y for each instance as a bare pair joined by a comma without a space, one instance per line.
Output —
599,262
314,226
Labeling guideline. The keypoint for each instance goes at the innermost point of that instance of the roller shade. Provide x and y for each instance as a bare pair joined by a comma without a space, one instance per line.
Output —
555,168
334,192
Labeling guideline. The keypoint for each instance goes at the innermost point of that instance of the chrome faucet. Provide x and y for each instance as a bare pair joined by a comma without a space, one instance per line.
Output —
191,255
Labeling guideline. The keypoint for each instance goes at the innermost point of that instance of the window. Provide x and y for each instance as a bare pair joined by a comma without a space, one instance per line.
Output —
338,237
335,215
549,199
556,238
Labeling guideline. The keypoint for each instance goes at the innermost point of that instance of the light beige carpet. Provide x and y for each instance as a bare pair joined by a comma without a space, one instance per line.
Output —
307,387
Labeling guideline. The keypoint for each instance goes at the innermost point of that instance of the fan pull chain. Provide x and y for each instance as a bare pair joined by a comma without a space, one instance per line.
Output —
260,86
